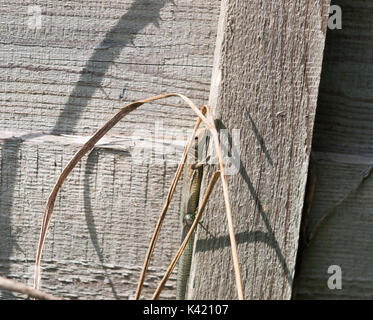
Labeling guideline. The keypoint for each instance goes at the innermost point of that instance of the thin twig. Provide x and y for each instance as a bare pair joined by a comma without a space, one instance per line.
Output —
228,208
15,286
206,196
164,210
89,145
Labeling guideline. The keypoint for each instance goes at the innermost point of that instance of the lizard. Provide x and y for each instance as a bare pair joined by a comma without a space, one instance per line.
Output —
189,205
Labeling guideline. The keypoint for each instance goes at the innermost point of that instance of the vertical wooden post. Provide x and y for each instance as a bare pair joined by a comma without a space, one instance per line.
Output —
265,84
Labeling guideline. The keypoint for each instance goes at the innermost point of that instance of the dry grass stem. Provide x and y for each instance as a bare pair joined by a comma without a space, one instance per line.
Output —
15,286
228,208
89,145
211,185
164,210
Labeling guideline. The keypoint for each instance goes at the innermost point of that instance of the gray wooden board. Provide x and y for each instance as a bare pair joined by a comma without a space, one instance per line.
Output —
66,78
344,238
68,75
265,83
102,223
344,151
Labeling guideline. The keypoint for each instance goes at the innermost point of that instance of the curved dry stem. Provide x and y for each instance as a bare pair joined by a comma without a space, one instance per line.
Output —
164,209
206,196
228,208
15,286
238,278
89,145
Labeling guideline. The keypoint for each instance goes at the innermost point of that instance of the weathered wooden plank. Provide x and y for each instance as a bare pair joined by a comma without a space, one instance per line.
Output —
103,219
60,77
67,78
341,226
343,148
265,83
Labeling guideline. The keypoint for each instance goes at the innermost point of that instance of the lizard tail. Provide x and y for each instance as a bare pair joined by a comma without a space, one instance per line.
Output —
184,269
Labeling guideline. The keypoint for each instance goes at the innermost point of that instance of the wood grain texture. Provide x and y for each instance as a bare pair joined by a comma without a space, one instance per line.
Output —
65,79
61,77
103,221
265,83
344,159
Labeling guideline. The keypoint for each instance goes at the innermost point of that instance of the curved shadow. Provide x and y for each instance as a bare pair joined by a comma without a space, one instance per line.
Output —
270,238
221,242
118,37
248,236
140,14
91,166
260,140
